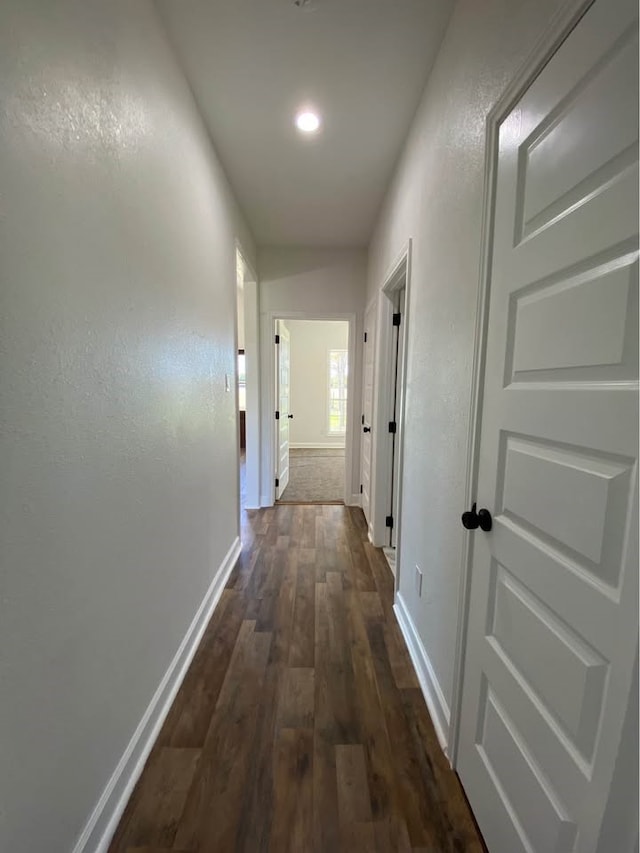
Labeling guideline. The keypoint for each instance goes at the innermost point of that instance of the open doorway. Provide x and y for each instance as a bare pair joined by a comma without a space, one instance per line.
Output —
247,372
383,416
312,404
396,392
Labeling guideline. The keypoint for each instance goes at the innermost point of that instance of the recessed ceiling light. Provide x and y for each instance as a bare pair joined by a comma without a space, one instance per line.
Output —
307,121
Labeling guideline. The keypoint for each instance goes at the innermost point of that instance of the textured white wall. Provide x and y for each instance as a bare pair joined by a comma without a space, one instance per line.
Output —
436,199
320,282
311,341
118,479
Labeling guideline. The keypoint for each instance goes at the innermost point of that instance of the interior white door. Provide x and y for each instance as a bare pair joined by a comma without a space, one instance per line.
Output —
396,415
283,381
553,623
367,406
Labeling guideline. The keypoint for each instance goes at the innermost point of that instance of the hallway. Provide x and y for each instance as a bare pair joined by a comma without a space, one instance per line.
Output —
194,197
300,725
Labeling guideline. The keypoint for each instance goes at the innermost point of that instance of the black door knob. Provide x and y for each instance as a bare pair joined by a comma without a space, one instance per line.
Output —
366,429
471,519
290,416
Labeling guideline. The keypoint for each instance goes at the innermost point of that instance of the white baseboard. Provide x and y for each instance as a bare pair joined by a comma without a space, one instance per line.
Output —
431,690
355,500
302,445
103,822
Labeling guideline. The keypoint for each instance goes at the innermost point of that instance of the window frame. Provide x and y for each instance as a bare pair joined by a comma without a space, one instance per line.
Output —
339,433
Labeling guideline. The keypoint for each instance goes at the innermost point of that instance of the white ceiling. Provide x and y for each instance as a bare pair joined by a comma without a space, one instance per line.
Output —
362,63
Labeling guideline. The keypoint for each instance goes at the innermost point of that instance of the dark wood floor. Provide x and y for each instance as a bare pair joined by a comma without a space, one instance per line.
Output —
300,725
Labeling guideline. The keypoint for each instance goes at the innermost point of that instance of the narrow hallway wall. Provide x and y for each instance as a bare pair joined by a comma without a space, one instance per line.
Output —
118,479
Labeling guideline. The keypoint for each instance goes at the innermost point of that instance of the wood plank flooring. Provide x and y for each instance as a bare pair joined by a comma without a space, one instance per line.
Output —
300,725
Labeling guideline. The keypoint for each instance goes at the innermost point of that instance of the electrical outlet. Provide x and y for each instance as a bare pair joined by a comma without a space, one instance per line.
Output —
419,581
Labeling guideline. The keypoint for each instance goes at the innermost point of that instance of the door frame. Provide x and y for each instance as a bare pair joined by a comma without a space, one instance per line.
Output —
268,445
398,277
558,29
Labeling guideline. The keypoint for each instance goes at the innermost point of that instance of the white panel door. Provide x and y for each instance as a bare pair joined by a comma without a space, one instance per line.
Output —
283,382
367,406
396,414
553,623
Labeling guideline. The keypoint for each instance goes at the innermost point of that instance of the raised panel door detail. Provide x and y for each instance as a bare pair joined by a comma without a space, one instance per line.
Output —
538,817
570,158
579,328
567,674
572,500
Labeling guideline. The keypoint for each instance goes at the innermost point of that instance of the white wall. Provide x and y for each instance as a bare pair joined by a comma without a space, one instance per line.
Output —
118,477
311,341
320,282
436,199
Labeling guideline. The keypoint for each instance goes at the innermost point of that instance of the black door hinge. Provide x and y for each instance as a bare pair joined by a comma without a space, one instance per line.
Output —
388,521
277,339
363,420
277,482
365,337
360,488
277,416
396,319
392,426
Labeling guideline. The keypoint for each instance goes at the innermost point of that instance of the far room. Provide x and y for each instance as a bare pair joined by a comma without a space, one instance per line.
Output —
312,393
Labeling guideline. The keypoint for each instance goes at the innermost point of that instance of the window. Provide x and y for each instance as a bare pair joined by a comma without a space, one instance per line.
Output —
242,382
338,374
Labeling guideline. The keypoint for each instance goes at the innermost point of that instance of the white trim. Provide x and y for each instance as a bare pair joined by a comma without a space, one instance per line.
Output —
269,390
431,690
356,500
395,274
301,445
103,822
557,31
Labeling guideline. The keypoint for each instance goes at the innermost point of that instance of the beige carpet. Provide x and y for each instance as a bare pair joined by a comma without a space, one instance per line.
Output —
315,474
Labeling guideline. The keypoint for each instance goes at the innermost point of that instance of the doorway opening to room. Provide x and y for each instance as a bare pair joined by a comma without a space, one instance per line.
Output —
248,384
383,409
311,423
